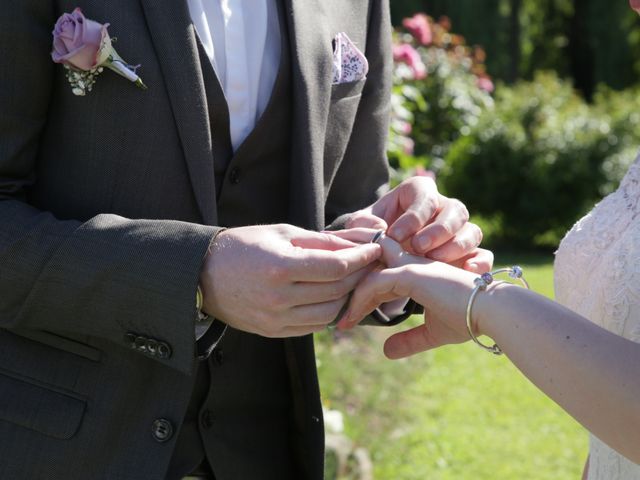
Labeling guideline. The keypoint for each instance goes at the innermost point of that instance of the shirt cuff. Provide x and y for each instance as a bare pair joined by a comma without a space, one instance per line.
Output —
395,308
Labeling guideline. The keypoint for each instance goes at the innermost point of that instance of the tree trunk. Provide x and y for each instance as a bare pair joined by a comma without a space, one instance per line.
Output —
581,52
515,52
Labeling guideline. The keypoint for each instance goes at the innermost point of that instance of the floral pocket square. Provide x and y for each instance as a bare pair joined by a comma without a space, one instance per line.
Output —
349,63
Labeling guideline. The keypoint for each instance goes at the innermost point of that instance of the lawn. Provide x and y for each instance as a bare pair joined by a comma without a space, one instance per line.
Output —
456,413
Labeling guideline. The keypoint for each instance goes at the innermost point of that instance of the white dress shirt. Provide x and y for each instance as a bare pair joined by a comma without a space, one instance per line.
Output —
242,40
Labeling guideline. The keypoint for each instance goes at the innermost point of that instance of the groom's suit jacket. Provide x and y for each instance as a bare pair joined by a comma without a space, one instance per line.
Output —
108,203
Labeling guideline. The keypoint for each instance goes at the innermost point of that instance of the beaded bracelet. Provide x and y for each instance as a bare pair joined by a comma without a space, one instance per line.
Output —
481,284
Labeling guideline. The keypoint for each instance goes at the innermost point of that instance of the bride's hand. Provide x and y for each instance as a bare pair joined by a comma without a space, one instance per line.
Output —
443,290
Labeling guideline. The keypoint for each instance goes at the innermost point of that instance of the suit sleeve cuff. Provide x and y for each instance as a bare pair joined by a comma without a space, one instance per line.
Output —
379,319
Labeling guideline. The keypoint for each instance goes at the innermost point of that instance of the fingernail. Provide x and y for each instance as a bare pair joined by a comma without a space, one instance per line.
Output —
347,322
398,234
437,255
343,326
381,224
473,267
424,243
345,318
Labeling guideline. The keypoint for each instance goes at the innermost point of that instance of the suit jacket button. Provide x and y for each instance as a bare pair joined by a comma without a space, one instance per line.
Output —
141,344
234,176
164,350
130,340
162,430
152,347
206,419
218,357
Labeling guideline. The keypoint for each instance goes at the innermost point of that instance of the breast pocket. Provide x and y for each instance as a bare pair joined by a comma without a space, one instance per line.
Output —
47,358
345,100
29,404
347,90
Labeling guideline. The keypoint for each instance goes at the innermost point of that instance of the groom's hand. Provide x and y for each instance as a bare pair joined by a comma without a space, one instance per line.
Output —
427,223
281,281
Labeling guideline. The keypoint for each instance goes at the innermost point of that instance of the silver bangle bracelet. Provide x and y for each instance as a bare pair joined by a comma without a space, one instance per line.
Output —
481,284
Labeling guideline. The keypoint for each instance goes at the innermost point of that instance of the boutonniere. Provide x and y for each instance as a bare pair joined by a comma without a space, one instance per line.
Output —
85,49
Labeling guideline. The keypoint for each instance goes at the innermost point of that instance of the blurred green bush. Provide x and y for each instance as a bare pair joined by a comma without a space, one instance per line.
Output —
528,160
540,158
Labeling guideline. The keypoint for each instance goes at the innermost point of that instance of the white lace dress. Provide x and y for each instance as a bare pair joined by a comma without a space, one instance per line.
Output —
597,274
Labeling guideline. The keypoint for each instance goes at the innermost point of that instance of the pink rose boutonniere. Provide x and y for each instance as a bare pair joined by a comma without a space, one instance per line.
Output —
85,49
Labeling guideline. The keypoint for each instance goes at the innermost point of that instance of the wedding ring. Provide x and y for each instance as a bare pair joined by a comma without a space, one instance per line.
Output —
376,238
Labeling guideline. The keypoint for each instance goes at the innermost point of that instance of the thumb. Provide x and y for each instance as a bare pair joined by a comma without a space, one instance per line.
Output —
410,342
366,219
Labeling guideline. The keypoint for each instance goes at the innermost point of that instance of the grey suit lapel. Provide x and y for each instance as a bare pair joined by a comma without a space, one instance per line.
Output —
311,62
174,39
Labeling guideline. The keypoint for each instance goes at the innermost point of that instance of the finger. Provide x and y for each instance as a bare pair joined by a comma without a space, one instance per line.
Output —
320,241
416,204
451,219
298,331
410,342
393,255
326,266
308,293
356,235
464,242
480,261
378,287
460,262
317,314
366,219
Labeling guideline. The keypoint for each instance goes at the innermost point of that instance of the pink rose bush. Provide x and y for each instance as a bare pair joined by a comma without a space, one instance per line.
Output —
408,55
485,83
425,40
419,27
441,87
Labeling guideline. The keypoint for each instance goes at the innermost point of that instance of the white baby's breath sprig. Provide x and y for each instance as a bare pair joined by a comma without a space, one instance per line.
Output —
82,82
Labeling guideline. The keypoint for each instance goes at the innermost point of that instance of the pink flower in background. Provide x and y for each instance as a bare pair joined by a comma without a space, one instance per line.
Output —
408,146
419,27
405,53
423,172
485,83
402,127
445,23
635,4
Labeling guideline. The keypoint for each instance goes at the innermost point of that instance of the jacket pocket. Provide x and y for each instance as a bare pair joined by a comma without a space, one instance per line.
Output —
32,405
345,100
346,90
65,344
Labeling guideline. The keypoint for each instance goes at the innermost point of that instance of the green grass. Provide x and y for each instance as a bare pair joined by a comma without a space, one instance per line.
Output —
456,413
